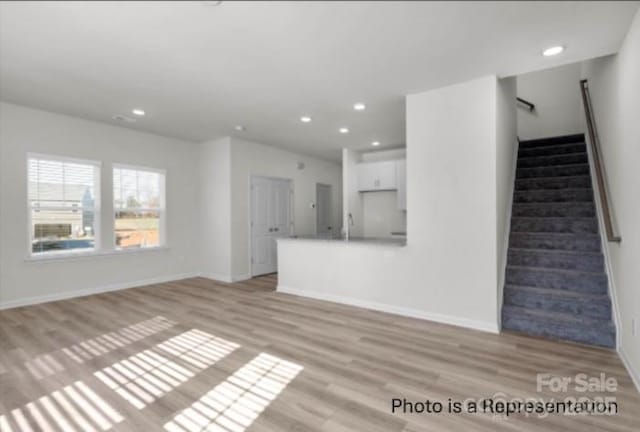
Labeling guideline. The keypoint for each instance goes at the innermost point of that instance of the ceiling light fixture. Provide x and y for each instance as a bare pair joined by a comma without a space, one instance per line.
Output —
240,128
359,106
554,50
375,143
344,130
305,119
139,112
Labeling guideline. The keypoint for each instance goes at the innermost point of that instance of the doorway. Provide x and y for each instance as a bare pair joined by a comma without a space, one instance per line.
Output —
270,219
323,210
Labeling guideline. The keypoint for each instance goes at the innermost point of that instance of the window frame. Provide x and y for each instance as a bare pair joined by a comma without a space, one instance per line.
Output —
161,209
97,209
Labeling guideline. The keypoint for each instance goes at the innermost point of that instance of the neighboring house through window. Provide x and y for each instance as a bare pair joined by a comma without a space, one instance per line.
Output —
64,203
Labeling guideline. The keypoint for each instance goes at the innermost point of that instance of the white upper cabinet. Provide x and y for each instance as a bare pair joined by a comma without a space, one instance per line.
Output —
401,183
377,176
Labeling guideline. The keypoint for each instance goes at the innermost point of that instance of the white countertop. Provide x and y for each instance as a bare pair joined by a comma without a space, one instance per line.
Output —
373,241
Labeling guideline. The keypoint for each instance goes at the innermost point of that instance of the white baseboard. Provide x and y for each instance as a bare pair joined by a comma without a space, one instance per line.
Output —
90,291
225,278
635,374
396,310
239,278
217,277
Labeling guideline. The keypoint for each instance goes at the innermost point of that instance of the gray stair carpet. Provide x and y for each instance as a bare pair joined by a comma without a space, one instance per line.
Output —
555,282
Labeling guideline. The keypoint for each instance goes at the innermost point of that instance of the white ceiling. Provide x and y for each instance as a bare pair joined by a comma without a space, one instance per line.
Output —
199,70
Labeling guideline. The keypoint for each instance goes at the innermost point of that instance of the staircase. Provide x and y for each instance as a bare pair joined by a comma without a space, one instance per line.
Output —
555,283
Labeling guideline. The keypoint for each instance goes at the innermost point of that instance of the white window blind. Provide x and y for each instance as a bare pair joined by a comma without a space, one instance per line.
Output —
139,205
63,196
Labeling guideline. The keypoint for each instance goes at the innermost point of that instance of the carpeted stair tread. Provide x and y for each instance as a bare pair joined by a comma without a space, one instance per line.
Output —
554,149
559,326
554,195
563,271
572,225
557,251
549,141
554,259
554,209
555,241
557,302
549,183
552,160
553,171
555,280
558,317
543,277
551,300
551,292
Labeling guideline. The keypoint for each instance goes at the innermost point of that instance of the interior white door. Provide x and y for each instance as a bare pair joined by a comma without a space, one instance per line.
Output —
281,221
323,210
270,219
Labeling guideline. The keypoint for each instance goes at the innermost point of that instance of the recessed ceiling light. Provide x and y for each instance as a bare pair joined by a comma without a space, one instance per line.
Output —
555,50
138,112
240,128
375,143
359,106
305,119
344,130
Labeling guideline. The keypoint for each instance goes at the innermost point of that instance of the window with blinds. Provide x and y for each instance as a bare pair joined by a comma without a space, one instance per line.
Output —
63,196
138,201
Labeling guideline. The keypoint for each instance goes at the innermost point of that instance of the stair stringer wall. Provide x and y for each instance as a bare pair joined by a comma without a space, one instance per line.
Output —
502,277
617,320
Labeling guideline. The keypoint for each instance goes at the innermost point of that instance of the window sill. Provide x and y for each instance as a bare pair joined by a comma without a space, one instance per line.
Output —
86,255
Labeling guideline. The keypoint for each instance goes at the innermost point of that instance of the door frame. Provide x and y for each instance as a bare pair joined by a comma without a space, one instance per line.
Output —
250,208
330,203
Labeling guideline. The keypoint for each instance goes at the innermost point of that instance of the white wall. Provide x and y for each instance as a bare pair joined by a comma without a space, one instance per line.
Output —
614,84
207,204
215,208
506,160
380,214
375,214
447,271
556,95
351,198
24,130
451,196
249,158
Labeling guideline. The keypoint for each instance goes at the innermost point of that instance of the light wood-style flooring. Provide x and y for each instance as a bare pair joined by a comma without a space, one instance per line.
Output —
198,355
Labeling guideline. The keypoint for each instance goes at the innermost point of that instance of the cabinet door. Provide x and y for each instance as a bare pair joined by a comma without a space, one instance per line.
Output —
374,176
401,182
366,177
385,175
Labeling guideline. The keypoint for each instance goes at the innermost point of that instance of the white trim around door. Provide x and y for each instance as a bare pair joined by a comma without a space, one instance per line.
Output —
270,218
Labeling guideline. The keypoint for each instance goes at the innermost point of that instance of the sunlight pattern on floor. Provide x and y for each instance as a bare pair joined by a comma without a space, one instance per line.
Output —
46,365
144,377
108,342
43,365
74,408
236,403
198,348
